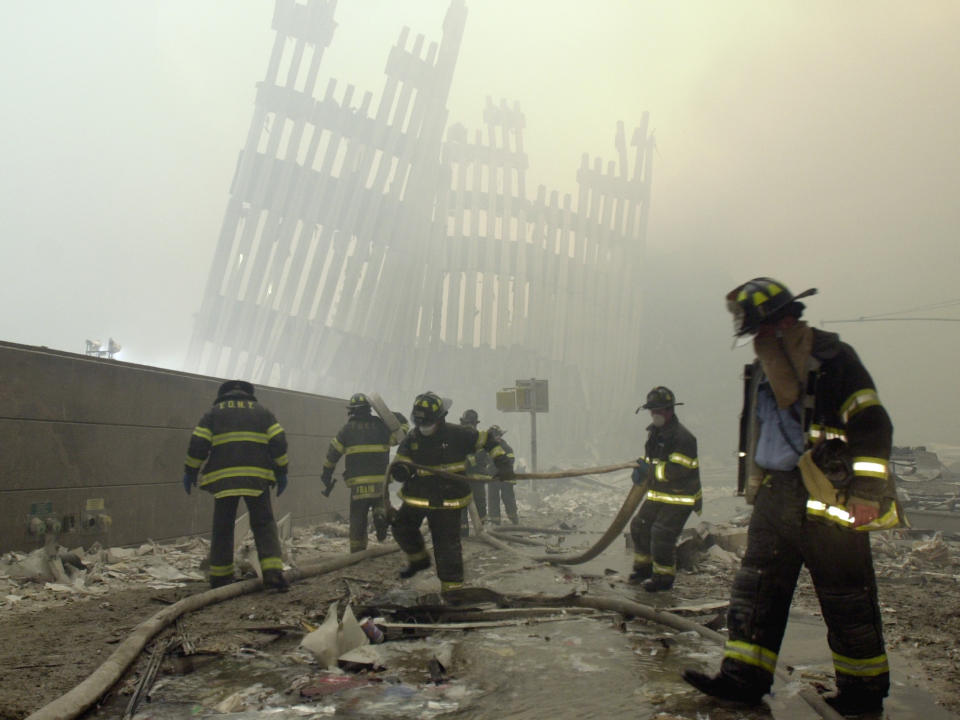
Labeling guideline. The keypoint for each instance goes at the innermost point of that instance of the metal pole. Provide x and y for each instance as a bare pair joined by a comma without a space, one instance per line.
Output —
533,439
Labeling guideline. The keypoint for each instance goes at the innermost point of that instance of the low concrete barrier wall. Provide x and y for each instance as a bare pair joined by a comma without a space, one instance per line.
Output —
98,445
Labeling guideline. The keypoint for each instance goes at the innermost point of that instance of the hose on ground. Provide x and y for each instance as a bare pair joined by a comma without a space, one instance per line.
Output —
81,698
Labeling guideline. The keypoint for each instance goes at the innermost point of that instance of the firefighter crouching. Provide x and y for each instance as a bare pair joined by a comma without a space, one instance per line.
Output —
671,469
815,443
365,440
243,452
444,446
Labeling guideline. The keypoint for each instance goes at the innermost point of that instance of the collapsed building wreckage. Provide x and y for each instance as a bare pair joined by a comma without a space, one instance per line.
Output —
373,245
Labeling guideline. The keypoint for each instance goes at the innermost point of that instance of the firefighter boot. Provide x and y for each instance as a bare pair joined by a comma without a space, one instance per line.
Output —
658,582
217,581
723,687
640,573
850,703
414,567
274,580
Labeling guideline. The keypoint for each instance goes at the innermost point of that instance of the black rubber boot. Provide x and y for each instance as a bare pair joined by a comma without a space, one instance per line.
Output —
414,567
216,582
658,583
274,580
851,704
639,574
723,687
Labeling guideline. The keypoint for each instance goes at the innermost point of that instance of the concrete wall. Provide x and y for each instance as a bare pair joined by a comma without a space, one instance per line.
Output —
98,445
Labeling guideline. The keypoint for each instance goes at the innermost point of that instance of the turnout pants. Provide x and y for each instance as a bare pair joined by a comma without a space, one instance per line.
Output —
504,490
654,530
445,532
264,534
360,509
780,540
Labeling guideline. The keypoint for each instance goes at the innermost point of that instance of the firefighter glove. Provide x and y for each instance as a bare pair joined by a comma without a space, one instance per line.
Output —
640,472
281,481
401,473
189,480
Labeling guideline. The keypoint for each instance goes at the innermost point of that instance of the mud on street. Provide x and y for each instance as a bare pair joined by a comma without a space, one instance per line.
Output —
53,638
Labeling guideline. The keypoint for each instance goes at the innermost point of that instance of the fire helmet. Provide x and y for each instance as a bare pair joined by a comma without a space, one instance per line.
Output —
234,385
470,417
762,300
428,408
359,404
659,398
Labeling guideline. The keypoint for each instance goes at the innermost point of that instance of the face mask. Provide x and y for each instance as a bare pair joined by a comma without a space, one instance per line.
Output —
659,420
427,430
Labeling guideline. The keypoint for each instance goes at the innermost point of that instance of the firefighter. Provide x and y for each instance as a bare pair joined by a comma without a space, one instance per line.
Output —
439,445
501,489
671,468
807,396
365,440
242,451
479,466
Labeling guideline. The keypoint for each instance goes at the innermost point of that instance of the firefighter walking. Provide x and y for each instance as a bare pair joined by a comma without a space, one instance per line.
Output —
365,441
671,468
239,450
438,445
815,444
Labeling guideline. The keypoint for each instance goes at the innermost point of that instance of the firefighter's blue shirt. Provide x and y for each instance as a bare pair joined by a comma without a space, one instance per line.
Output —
774,450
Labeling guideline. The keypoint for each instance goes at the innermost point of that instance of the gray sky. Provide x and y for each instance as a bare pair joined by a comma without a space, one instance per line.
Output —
813,141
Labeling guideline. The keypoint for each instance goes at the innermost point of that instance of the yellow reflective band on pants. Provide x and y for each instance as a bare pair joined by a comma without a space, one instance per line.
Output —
271,563
221,570
870,467
659,569
671,499
417,556
446,585
642,559
751,655
447,504
861,667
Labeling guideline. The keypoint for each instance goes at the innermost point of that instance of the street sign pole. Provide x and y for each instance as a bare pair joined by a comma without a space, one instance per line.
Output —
533,439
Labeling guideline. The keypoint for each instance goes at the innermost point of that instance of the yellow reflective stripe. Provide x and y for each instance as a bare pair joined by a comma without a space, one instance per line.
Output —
890,519
751,655
328,464
193,462
274,430
824,432
861,667
237,471
641,559
835,513
672,499
239,436
271,563
364,480
481,440
450,585
354,449
418,556
660,472
403,458
870,467
282,461
452,504
681,459
449,467
860,400
337,445
238,492
202,432
664,569
221,570
497,452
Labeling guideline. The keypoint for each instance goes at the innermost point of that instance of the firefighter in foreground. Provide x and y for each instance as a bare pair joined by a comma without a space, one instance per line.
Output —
243,453
815,443
671,469
440,445
365,440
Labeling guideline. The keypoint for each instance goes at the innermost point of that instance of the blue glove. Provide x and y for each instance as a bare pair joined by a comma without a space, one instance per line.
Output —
281,481
189,480
640,473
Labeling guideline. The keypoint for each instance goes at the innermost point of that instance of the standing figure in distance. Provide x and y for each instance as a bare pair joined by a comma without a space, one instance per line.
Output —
438,445
365,440
672,469
501,489
242,451
480,466
815,445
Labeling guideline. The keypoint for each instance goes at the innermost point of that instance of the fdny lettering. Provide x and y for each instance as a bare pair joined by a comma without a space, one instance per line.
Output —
248,404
